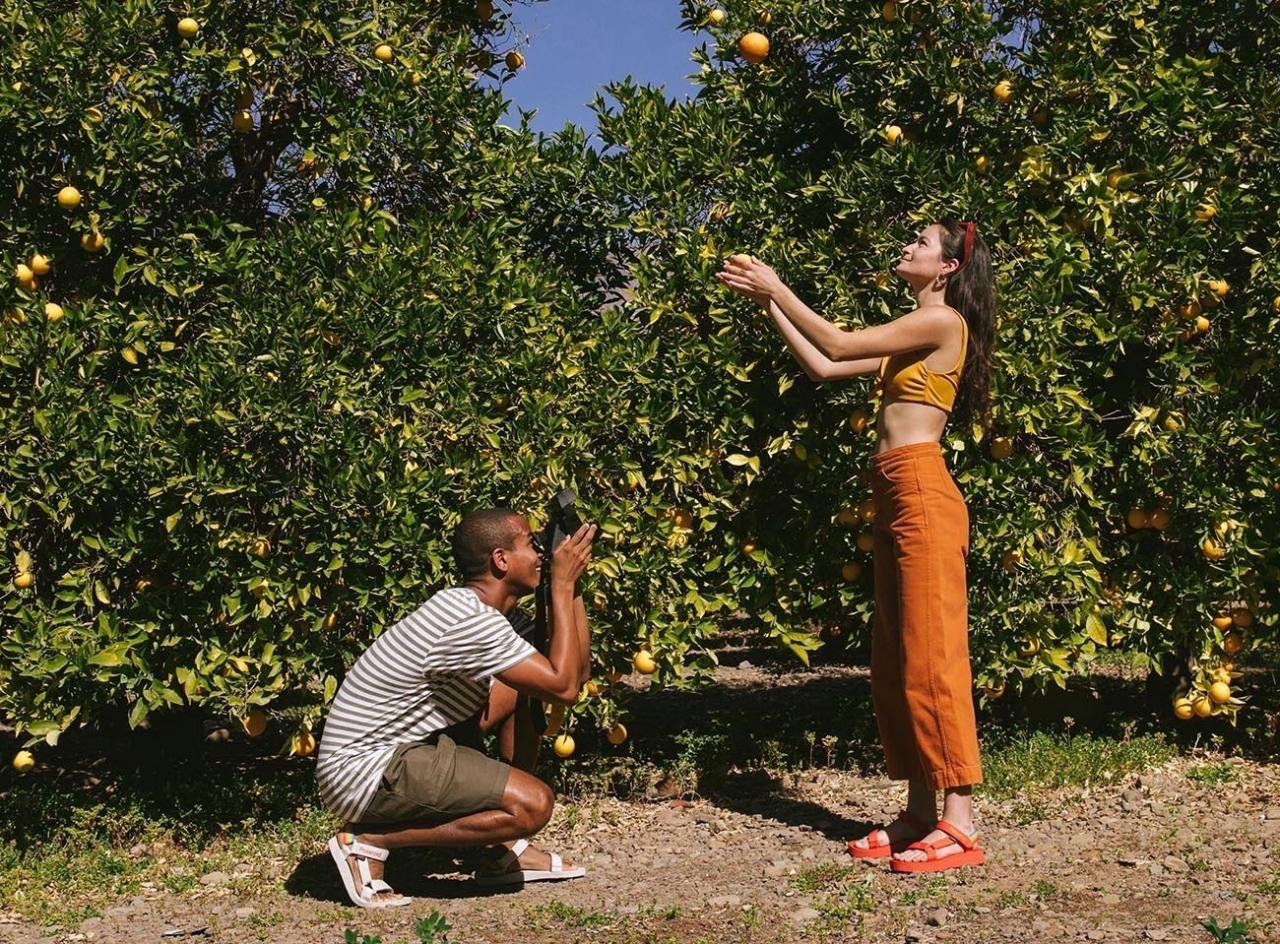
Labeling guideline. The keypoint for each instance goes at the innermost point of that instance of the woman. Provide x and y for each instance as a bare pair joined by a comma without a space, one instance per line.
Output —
932,361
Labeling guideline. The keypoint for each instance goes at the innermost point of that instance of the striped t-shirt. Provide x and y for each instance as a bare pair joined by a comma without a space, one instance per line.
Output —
425,673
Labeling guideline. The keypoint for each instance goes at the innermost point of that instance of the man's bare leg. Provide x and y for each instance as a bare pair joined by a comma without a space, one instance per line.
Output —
526,807
511,719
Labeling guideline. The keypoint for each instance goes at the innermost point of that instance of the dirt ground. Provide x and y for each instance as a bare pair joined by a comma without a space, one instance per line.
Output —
762,859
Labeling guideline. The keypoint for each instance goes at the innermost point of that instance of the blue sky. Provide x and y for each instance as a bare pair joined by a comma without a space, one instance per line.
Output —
576,46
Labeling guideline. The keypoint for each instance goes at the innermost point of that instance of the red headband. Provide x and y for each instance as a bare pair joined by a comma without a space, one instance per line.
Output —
970,230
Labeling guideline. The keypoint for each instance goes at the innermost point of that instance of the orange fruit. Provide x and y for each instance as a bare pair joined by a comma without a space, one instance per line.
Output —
1010,560
867,510
563,745
1223,622
1201,706
893,133
1183,708
1219,692
1219,287
1113,179
716,16
1212,549
858,420
983,163
848,517
1202,324
303,743
748,548
1003,91
1137,519
22,272
39,264
1190,310
1159,519
851,571
889,11
514,60
255,722
242,120
92,241
1029,646
1001,448
68,198
484,10
1242,617
644,662
866,541
53,311
754,47
23,579
616,734
188,27
23,761
383,52
1205,212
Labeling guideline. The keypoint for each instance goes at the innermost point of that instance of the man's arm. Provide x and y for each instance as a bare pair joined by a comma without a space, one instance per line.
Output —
583,634
557,677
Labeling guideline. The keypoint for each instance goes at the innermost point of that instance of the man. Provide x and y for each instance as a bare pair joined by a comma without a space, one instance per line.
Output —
399,757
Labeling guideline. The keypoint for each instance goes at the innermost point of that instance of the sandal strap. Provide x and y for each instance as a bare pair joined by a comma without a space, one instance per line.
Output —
519,846
557,863
378,885
962,839
930,849
365,851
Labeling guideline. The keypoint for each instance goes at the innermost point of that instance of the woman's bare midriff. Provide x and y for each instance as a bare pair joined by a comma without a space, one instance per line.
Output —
903,424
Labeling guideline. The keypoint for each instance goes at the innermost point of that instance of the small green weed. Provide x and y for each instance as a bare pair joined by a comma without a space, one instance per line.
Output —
433,929
1235,933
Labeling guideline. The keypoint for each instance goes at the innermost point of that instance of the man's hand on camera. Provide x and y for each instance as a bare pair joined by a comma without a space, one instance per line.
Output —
570,559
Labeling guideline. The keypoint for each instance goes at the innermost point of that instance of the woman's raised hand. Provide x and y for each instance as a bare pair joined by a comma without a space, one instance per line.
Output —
748,276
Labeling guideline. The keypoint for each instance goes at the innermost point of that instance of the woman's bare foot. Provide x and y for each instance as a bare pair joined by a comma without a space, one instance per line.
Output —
900,830
919,855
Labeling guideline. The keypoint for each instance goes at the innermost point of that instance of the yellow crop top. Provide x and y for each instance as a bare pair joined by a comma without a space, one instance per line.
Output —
916,383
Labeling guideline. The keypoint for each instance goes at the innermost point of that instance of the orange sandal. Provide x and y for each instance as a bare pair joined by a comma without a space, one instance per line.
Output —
972,854
877,850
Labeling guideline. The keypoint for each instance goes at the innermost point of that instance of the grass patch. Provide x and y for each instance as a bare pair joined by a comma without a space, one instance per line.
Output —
1212,773
570,916
819,877
1270,886
1048,761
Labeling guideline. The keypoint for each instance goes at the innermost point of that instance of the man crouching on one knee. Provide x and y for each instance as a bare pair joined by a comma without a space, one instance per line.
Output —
400,758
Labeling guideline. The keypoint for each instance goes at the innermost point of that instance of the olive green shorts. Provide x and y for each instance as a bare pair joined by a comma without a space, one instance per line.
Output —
438,780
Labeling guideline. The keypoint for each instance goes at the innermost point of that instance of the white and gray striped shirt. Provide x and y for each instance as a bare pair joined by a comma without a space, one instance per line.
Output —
425,673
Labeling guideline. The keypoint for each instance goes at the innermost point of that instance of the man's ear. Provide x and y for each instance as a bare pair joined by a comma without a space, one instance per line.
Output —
499,562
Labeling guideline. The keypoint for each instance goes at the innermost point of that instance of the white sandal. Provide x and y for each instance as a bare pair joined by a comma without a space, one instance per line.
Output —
369,886
519,876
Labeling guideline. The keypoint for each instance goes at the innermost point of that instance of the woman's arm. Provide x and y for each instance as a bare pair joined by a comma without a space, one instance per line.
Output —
817,366
922,329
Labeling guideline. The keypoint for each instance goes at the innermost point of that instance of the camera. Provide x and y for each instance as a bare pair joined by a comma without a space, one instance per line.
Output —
562,521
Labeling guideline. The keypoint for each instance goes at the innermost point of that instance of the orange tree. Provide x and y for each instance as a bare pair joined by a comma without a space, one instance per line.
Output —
1116,156
309,299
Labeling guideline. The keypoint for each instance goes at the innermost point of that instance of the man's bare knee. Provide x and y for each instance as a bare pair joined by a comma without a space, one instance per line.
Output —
530,801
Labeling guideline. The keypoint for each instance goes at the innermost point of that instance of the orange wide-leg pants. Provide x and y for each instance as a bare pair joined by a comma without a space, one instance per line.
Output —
921,683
